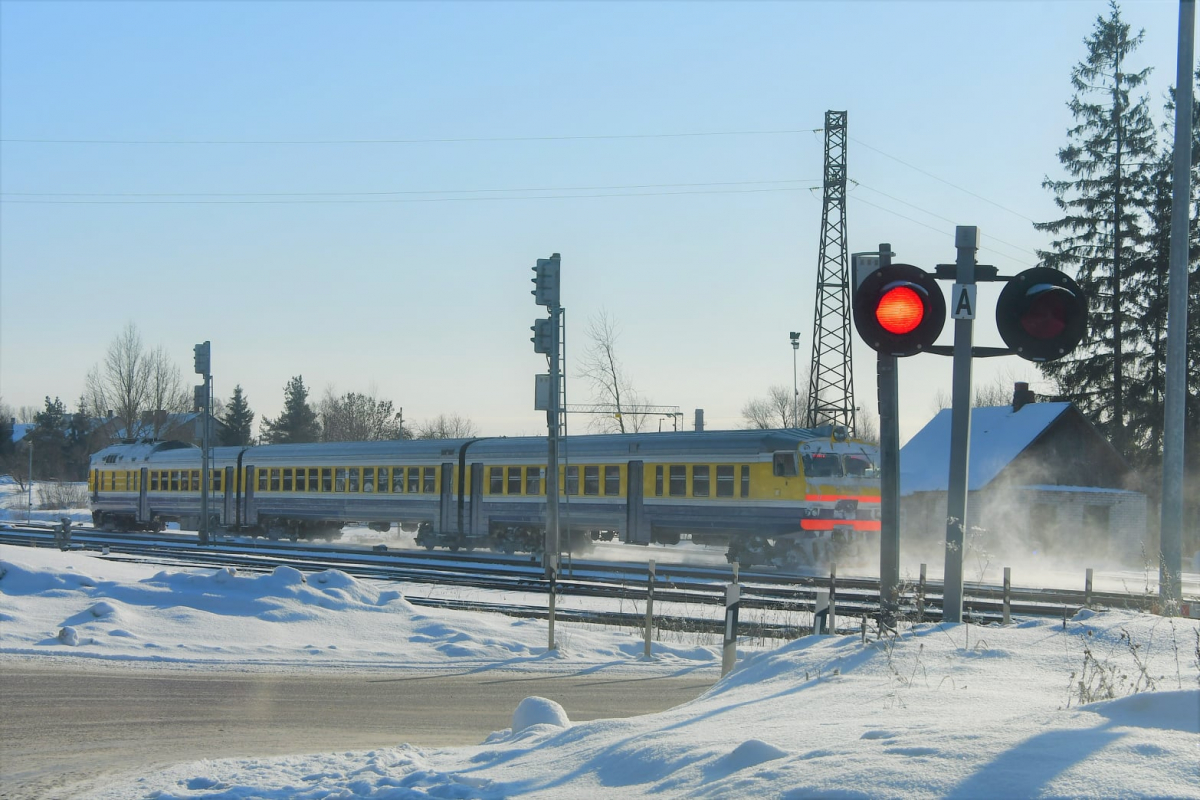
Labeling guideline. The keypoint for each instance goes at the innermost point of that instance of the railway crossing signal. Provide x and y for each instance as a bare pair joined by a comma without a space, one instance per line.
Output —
899,310
1041,314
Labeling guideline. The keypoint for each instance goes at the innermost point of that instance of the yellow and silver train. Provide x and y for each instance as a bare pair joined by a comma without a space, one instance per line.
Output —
789,497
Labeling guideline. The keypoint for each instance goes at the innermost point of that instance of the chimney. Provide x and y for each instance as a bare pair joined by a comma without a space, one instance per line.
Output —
1022,396
699,419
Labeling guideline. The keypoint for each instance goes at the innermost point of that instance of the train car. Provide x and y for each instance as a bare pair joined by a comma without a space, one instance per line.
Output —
788,497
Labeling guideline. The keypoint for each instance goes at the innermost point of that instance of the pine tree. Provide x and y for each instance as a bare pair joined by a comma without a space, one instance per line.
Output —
1103,204
298,422
238,419
49,439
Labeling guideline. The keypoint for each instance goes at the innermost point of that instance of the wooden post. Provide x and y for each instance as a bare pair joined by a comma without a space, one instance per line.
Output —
1007,594
921,596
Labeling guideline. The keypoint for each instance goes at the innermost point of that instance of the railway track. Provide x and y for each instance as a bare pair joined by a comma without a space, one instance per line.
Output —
675,585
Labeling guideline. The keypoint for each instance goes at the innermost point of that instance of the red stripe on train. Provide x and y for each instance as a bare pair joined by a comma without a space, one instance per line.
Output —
830,524
833,498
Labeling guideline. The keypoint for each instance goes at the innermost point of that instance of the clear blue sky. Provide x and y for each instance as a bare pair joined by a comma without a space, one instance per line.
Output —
425,297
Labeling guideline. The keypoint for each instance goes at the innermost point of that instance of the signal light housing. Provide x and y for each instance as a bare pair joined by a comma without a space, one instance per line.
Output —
1042,314
899,310
545,281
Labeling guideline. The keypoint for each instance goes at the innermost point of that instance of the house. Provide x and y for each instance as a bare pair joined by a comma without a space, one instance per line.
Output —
1041,481
164,426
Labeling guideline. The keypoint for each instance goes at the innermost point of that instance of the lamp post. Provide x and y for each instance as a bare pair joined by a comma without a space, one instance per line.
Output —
795,336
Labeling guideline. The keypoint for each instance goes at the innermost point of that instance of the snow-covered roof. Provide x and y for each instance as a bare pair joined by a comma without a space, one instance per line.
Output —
998,435
21,430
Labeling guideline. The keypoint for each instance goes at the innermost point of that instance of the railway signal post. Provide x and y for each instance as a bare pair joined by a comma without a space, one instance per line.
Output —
203,357
547,339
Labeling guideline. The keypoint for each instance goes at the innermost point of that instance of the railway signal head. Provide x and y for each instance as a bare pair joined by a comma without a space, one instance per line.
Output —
202,358
545,281
899,310
542,342
1042,314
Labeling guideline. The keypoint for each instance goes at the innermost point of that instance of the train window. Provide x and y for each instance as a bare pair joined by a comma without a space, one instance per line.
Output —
724,480
216,481
262,479
612,481
314,480
678,487
326,480
275,479
858,465
591,480
383,483
821,465
287,479
572,481
658,481
368,479
533,480
785,465
153,481
414,479
700,475
174,480
514,480
495,480
339,480
352,479
429,479
398,479
745,480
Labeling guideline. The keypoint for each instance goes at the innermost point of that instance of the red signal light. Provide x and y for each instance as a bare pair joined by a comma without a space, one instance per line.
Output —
900,310
1042,314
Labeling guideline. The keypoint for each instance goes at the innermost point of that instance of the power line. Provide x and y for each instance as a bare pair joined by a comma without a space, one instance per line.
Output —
403,192
401,200
446,140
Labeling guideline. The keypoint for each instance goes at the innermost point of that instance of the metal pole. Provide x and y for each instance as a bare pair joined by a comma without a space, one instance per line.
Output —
203,532
966,240
1007,594
649,607
1170,586
29,489
887,378
733,596
921,596
832,599
795,336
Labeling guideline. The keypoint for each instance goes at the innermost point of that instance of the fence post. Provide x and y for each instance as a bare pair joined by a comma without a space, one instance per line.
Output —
649,607
833,598
821,613
1087,589
1007,594
921,596
729,653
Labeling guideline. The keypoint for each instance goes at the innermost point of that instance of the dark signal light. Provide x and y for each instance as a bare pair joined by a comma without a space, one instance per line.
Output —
1042,314
899,310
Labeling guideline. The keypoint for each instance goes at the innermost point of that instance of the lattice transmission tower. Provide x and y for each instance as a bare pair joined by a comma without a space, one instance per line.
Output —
831,377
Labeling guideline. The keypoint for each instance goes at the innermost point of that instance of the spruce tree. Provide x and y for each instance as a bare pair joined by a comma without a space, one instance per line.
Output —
238,419
298,422
1108,158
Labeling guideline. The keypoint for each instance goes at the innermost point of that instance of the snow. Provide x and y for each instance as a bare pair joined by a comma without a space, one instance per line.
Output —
935,711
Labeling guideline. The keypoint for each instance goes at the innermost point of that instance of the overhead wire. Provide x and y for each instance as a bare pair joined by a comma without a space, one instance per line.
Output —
445,140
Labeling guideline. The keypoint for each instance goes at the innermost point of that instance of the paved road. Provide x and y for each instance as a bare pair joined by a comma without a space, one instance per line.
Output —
65,730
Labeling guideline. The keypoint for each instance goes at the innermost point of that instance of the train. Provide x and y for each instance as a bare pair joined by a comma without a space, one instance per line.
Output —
789,497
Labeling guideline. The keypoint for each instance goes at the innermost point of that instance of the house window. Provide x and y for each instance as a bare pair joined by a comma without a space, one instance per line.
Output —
1096,519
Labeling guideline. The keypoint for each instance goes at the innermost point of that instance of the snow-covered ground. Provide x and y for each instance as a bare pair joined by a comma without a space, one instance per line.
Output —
937,711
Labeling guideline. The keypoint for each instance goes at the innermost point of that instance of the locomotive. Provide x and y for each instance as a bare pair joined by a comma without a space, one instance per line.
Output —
788,497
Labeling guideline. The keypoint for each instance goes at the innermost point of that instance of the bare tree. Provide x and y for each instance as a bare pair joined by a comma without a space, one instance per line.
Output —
355,417
866,426
445,427
612,390
779,409
133,383
997,393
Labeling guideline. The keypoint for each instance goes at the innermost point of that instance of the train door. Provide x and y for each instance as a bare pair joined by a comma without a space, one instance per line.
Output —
143,509
230,495
248,517
476,527
637,528
446,506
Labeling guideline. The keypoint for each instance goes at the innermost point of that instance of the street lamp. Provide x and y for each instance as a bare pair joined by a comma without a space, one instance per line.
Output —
795,336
